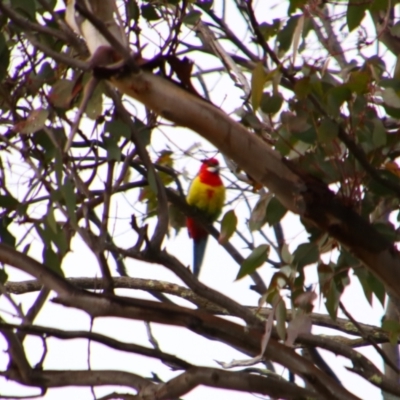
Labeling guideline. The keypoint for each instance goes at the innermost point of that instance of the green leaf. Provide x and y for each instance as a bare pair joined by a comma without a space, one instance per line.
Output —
258,79
327,130
44,233
361,112
60,240
228,226
285,254
52,233
25,7
336,97
58,168
177,219
205,5
379,5
143,132
332,301
192,18
132,10
393,328
151,178
117,129
308,136
269,30
296,38
165,159
4,56
355,13
51,260
359,81
3,276
325,277
387,230
113,151
377,288
294,5
390,83
275,211
149,198
379,134
363,275
35,121
341,279
41,9
391,98
61,94
94,106
280,279
383,190
50,220
271,104
42,139
257,217
9,202
69,196
393,112
285,141
249,119
257,258
280,315
149,13
396,72
5,235
285,36
305,254
302,87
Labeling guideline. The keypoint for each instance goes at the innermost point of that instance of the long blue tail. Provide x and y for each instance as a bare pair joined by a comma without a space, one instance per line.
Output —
199,248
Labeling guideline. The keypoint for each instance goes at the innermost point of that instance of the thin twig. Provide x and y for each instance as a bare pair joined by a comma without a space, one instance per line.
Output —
369,338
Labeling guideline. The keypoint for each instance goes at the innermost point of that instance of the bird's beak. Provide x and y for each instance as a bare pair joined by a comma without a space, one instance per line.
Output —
213,169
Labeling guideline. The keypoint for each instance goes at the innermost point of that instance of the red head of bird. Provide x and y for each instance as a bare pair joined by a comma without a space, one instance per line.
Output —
209,172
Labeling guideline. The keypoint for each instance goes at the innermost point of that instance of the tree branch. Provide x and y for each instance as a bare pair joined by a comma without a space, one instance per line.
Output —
171,360
340,324
240,381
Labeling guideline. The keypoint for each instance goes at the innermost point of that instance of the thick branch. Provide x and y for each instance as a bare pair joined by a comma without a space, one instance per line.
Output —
297,191
35,330
78,378
340,324
243,338
240,381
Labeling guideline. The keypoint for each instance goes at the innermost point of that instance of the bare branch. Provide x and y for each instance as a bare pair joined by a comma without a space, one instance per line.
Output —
245,382
341,324
79,378
36,330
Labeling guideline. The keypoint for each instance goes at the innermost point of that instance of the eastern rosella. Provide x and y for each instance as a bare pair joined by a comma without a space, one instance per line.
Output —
207,193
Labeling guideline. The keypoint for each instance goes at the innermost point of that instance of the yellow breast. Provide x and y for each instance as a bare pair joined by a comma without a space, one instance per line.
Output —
207,198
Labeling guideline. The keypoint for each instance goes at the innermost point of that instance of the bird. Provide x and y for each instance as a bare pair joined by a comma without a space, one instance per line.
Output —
207,194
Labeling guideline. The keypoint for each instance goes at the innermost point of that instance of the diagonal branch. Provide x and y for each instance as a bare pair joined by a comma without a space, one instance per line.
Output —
323,320
36,330
162,204
78,378
240,381
245,339
297,191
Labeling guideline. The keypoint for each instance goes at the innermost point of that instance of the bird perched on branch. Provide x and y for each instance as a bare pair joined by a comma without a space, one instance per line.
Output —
207,194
